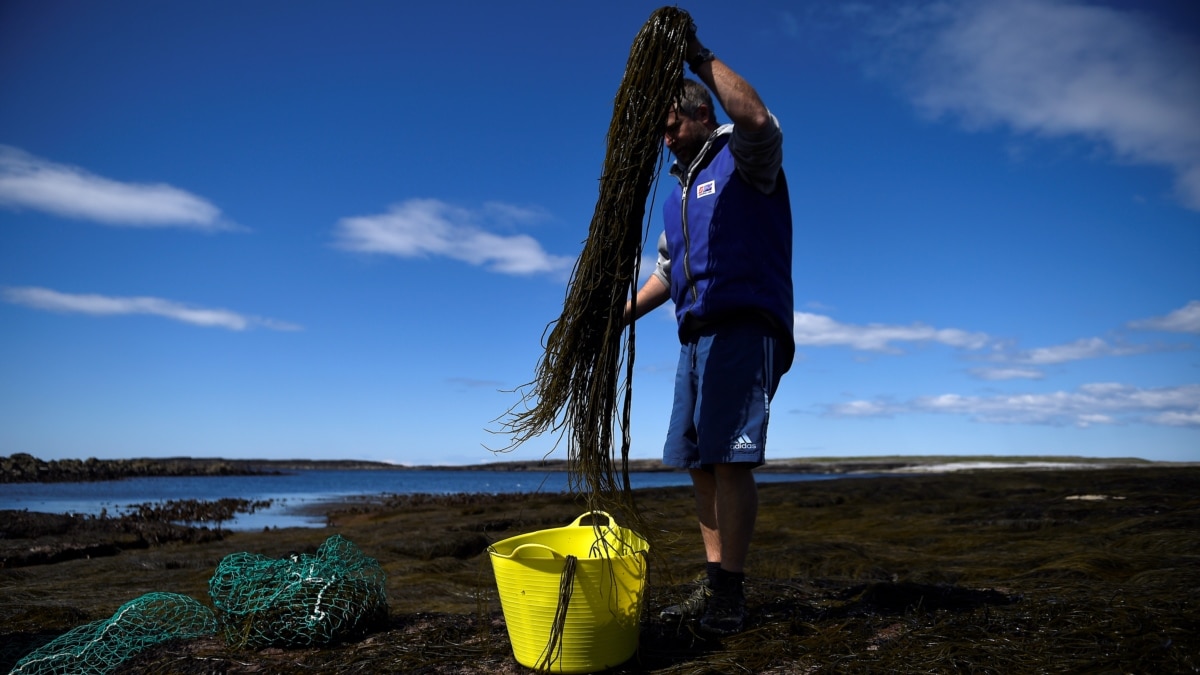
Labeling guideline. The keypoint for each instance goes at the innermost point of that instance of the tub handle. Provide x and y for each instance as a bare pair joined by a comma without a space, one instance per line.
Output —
536,551
608,520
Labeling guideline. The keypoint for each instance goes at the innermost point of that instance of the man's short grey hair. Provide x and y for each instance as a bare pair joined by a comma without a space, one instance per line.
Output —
692,95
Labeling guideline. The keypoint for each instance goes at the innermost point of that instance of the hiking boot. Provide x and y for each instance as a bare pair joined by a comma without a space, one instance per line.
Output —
725,611
692,606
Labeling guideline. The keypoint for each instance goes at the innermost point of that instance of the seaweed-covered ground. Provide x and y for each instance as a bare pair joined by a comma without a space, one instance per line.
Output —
999,571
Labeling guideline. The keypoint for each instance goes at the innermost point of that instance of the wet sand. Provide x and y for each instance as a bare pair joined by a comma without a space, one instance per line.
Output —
1004,570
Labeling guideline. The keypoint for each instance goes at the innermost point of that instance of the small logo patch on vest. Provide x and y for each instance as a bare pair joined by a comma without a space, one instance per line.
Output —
705,189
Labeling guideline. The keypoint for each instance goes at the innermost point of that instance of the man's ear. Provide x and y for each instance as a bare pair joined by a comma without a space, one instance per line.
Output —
704,114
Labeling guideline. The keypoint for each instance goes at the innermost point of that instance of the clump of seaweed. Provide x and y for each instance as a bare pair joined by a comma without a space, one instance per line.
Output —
190,511
579,384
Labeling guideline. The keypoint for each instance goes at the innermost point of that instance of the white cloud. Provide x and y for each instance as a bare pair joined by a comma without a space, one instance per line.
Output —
1086,348
428,227
1183,320
28,182
817,330
1007,373
103,305
1089,405
1057,68
862,409
1178,419
514,214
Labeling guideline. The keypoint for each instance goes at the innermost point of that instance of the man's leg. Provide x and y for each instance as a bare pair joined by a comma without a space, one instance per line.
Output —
736,506
704,486
704,489
726,508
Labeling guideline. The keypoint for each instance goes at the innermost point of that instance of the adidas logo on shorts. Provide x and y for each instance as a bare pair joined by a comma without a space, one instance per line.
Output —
743,443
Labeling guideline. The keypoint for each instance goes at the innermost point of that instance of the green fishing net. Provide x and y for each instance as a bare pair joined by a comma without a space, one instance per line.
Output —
301,600
336,594
99,647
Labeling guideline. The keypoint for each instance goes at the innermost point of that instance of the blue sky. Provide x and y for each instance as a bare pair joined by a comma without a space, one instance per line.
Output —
338,229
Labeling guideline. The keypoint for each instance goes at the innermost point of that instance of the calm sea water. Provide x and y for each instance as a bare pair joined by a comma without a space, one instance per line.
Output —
292,491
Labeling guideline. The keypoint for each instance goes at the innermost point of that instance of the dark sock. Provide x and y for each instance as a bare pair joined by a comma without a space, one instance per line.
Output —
711,568
727,580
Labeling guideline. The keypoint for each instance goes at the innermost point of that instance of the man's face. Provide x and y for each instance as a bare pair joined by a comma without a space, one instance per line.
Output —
684,135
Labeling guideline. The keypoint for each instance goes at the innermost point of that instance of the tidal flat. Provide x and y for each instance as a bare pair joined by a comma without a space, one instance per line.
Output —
1008,570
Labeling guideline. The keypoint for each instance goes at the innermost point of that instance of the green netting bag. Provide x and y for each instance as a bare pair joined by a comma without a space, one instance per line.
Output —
99,647
301,600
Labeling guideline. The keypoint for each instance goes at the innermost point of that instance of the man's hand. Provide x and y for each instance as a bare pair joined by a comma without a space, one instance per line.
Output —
693,42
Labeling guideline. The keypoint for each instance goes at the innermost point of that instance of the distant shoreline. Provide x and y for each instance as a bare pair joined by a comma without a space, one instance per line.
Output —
24,468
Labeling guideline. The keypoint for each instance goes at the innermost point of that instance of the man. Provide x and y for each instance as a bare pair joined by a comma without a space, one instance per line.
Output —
725,259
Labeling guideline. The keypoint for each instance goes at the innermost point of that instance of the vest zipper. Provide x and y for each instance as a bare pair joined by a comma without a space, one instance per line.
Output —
687,243
683,218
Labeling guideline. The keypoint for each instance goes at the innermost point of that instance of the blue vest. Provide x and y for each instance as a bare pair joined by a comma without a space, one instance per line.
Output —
731,249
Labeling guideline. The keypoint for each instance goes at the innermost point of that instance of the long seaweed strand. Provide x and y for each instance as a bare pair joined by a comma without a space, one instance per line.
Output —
578,381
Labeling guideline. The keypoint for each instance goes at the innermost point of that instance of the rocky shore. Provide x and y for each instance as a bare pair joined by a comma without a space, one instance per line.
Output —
1001,570
32,538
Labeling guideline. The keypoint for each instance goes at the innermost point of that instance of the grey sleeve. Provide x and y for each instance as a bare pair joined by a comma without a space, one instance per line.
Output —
759,155
662,268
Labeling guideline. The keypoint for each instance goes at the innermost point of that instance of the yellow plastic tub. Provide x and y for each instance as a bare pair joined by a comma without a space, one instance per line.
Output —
604,611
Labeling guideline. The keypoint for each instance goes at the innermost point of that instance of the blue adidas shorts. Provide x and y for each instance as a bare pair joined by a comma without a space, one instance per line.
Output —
723,389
